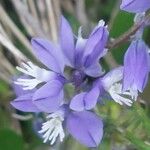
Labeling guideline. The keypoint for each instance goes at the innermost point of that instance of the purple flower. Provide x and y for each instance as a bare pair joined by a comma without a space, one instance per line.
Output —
52,79
84,55
44,86
79,125
136,67
87,100
135,6
86,127
24,101
110,83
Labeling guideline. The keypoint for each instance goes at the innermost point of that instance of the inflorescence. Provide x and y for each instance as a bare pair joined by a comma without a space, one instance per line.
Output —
43,88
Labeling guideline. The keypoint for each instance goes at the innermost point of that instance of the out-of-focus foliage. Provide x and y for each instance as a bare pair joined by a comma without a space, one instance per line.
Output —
124,128
10,140
121,23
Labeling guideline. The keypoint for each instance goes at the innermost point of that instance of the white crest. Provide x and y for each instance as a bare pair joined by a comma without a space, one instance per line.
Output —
52,129
38,75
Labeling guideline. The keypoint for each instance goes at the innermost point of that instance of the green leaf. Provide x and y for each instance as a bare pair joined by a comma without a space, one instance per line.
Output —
9,140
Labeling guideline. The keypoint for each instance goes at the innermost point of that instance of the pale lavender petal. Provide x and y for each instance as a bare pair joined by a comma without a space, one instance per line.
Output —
135,6
50,89
85,100
77,103
91,98
142,66
18,90
85,127
50,104
113,76
79,49
67,40
49,97
25,103
95,70
136,66
48,54
95,45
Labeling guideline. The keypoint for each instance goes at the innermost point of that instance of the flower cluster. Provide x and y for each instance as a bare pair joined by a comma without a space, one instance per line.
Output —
74,61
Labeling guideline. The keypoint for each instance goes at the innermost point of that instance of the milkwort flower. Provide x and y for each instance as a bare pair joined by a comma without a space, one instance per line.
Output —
46,52
110,83
124,83
84,55
84,58
136,67
113,82
78,124
45,86
135,6
136,62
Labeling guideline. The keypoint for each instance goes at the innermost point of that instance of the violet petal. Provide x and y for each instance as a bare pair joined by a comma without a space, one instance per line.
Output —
95,45
25,103
67,40
49,97
136,66
85,127
85,100
135,6
95,70
48,54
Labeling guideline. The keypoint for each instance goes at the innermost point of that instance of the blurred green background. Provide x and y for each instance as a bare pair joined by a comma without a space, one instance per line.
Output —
124,128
